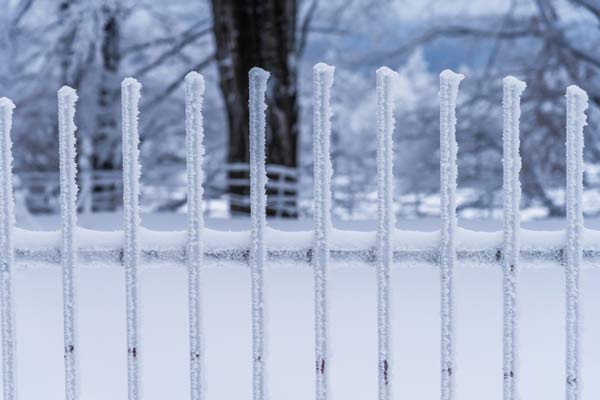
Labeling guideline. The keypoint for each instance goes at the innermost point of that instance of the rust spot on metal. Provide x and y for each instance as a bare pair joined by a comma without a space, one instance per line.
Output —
321,366
385,371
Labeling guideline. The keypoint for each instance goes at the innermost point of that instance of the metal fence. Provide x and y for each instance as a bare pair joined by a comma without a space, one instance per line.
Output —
385,252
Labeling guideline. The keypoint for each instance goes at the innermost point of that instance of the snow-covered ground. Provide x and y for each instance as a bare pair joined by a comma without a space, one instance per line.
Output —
290,336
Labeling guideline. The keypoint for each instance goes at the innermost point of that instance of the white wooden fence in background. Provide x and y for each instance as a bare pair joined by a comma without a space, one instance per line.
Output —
102,190
383,255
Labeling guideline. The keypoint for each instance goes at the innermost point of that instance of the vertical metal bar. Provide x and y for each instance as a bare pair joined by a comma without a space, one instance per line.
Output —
7,220
577,103
513,88
386,220
258,205
322,83
194,96
130,93
67,98
449,82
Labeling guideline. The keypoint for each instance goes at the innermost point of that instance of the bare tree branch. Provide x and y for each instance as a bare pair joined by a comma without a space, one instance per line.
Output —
529,28
177,82
161,41
592,8
304,27
22,8
173,51
497,41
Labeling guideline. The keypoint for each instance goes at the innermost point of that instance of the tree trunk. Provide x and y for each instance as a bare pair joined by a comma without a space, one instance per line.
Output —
99,145
106,143
260,33
66,42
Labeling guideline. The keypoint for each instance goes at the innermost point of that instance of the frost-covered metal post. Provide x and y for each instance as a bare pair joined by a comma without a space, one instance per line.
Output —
386,219
322,83
7,221
449,82
577,104
130,99
67,97
258,206
511,105
194,97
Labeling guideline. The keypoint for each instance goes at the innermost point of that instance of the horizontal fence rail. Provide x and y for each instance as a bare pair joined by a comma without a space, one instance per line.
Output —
321,248
160,247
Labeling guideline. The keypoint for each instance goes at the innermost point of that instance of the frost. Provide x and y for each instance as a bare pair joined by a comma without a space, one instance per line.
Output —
322,83
449,82
194,94
130,92
479,248
513,88
385,209
67,97
258,199
577,104
7,220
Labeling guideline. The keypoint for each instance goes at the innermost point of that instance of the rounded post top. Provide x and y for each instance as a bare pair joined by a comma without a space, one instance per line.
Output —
516,83
130,82
387,72
257,72
451,76
575,90
323,68
67,92
5,102
195,78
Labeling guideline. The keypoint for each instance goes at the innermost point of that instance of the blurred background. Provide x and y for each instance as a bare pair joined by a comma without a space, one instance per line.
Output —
93,45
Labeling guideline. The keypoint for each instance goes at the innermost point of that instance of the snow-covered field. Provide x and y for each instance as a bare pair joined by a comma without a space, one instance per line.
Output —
290,336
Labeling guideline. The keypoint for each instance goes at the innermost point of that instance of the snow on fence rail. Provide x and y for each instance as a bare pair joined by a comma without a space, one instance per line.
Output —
136,245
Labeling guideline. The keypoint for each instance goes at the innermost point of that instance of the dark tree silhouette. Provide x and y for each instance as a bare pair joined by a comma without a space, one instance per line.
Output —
261,33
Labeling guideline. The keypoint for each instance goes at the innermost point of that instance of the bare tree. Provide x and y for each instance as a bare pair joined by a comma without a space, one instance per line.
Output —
548,44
